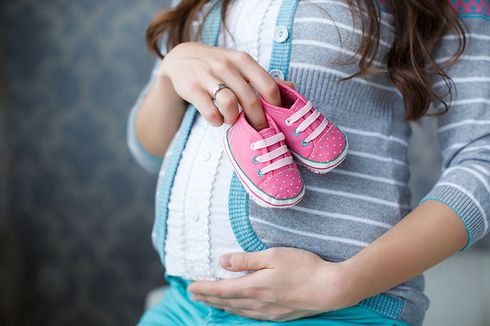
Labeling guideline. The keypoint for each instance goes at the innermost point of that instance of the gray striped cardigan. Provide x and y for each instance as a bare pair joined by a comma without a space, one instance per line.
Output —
357,202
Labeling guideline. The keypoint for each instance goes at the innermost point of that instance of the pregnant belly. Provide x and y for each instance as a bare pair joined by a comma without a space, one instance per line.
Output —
337,218
199,230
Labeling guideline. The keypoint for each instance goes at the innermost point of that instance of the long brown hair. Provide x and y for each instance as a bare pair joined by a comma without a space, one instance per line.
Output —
419,27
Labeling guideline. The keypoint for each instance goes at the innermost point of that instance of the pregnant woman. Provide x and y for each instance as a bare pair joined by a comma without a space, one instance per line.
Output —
353,250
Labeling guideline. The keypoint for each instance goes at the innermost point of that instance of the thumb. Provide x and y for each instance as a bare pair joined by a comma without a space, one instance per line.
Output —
243,261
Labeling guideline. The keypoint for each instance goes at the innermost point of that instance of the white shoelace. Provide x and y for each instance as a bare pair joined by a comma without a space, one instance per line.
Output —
307,122
269,156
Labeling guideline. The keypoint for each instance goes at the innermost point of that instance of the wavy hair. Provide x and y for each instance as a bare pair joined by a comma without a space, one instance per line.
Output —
419,26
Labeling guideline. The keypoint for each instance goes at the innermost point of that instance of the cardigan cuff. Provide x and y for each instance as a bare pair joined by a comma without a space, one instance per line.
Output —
463,206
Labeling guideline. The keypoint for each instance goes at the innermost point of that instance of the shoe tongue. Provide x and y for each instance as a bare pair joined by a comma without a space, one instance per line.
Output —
300,103
267,132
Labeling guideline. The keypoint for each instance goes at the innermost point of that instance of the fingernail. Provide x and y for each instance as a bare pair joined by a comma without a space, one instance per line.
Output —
225,261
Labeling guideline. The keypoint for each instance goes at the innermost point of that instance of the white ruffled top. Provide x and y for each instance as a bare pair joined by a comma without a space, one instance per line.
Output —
198,226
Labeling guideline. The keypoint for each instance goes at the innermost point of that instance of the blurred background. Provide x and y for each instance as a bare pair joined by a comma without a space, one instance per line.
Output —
76,211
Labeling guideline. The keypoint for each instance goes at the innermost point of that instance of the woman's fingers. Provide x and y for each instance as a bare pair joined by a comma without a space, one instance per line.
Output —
231,76
258,77
227,104
204,104
192,63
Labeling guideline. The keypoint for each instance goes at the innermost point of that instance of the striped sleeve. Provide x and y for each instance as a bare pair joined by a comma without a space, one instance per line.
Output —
147,160
464,132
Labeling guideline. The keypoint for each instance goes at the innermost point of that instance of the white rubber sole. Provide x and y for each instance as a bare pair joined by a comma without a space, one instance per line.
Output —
322,168
258,196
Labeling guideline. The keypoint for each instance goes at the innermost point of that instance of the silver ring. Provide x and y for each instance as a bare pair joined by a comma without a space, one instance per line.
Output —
218,88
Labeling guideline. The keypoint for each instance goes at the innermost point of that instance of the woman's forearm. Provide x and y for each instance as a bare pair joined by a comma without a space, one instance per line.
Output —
159,116
428,235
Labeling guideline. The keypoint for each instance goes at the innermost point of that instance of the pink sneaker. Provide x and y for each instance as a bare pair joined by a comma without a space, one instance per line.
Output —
313,140
264,164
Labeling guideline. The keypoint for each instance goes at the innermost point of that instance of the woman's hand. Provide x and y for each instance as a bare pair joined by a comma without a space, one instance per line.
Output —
287,284
195,69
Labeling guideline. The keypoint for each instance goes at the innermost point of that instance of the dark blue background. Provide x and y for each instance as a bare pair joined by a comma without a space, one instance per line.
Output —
77,218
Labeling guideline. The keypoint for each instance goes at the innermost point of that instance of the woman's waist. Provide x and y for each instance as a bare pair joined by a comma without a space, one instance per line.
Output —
392,307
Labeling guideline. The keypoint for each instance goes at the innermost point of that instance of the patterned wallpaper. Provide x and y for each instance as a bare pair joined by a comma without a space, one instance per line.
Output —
81,208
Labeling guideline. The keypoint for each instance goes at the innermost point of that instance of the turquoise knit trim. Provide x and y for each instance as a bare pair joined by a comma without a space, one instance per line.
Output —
281,52
165,184
238,197
212,24
384,304
470,238
477,16
210,34
240,223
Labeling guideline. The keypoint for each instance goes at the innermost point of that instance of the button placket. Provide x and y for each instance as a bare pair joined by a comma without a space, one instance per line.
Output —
191,248
198,260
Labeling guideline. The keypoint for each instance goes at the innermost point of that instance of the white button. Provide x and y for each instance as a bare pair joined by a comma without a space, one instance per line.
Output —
281,34
205,156
194,215
276,73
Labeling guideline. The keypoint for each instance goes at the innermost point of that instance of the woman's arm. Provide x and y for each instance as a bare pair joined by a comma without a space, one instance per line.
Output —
455,214
428,235
292,283
159,116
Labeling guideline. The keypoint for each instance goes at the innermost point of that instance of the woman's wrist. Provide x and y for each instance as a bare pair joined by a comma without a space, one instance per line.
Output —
339,286
356,279
166,62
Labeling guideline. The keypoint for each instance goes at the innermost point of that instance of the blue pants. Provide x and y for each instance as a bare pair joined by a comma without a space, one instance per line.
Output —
177,308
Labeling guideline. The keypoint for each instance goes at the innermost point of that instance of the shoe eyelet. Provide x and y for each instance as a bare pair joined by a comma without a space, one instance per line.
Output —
259,173
252,147
288,122
254,160
305,143
295,133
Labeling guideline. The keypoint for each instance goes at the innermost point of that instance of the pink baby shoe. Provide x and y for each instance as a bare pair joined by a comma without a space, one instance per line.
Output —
264,164
313,140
